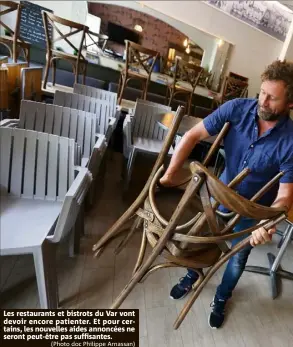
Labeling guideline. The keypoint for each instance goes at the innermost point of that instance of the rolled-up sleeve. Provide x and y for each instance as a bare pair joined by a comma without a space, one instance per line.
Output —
216,120
287,168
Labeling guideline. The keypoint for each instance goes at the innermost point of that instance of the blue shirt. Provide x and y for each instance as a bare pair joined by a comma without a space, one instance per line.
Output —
265,156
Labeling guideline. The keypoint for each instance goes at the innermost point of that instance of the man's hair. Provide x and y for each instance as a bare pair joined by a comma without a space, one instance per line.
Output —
280,71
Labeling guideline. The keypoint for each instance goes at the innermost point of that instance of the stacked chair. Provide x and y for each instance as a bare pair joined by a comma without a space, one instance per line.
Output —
183,225
142,134
41,194
101,108
51,157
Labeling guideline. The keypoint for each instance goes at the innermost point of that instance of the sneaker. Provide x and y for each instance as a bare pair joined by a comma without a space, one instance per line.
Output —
217,315
181,289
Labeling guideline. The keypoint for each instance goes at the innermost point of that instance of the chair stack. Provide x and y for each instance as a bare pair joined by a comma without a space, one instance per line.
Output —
51,157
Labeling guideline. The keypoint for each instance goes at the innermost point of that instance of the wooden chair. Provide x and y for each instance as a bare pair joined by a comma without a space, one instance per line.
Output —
31,83
233,88
78,61
97,41
185,79
137,66
39,203
13,42
174,222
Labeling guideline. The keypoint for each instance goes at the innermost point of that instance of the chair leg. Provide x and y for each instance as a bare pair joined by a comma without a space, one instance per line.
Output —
189,192
129,169
123,84
189,103
14,51
141,253
47,67
54,64
171,97
123,243
46,274
84,73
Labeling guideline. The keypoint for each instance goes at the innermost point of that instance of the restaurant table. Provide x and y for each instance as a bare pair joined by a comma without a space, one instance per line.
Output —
186,124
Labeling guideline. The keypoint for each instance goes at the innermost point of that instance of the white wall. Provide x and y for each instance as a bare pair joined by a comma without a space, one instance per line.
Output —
206,41
253,50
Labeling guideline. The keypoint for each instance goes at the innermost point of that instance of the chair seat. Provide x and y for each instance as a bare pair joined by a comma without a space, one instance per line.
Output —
34,221
137,73
66,55
183,86
9,40
149,145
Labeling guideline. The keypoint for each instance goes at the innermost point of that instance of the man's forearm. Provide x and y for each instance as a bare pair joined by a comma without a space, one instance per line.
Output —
181,153
283,202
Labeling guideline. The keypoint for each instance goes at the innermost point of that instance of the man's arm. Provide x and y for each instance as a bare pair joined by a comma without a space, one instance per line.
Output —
210,126
284,199
182,151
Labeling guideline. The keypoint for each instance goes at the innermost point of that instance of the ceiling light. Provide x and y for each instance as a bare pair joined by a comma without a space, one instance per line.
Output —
138,28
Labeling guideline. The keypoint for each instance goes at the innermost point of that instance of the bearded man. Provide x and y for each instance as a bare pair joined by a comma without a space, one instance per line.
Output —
260,137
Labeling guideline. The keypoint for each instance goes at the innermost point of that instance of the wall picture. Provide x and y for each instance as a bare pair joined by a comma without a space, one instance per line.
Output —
268,16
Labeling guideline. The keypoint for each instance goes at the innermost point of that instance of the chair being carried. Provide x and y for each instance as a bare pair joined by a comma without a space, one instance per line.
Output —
182,226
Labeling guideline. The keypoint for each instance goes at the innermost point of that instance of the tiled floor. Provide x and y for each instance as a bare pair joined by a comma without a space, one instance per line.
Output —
253,318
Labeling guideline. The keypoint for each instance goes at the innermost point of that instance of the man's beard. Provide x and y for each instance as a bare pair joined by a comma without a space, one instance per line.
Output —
267,115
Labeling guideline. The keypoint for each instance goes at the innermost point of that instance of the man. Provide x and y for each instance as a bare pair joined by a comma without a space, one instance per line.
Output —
260,137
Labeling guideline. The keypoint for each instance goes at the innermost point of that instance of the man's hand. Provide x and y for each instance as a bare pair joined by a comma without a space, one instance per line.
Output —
261,236
167,180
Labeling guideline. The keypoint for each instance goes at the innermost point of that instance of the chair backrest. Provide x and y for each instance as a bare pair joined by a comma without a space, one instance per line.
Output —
51,19
97,41
6,8
31,83
35,165
233,88
97,93
99,107
229,198
62,121
186,72
145,118
140,58
3,88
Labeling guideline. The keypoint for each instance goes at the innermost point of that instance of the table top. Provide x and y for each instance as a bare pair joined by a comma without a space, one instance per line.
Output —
186,124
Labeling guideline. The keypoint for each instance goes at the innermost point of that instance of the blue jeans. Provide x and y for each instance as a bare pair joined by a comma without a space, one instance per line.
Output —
236,264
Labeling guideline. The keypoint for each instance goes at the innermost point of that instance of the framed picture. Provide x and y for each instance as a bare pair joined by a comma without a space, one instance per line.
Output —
268,16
